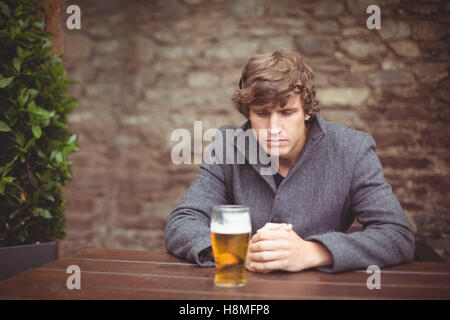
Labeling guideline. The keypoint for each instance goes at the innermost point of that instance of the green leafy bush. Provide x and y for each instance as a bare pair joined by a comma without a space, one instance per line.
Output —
34,137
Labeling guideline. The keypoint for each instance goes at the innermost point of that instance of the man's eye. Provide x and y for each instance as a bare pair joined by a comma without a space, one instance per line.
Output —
286,113
261,114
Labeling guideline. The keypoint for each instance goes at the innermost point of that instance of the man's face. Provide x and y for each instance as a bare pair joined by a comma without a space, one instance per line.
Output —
286,129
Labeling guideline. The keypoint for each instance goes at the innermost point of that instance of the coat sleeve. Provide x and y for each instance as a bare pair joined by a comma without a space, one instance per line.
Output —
187,232
387,238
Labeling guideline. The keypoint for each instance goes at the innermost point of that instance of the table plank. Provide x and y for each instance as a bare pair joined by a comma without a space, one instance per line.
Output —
56,278
159,256
130,274
128,255
150,267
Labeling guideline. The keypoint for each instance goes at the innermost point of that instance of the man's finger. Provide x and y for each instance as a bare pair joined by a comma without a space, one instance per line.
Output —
267,266
267,245
269,235
276,226
264,256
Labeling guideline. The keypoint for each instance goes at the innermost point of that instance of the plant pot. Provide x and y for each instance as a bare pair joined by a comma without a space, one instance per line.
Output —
17,259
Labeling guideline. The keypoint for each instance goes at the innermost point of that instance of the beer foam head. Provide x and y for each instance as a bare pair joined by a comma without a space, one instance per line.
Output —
232,224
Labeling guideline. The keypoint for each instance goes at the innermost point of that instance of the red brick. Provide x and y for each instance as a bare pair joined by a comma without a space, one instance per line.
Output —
435,136
404,162
438,183
410,206
409,113
81,205
420,191
385,138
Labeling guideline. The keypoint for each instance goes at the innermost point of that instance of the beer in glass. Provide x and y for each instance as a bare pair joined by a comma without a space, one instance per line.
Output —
230,236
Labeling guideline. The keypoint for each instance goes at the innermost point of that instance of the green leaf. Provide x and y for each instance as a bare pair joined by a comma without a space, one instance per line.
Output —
18,10
39,24
70,105
22,97
44,213
40,153
19,51
4,82
47,45
3,183
5,9
33,93
31,106
16,64
42,112
30,143
22,53
4,127
58,157
69,149
45,122
4,170
20,138
37,132
7,179
72,139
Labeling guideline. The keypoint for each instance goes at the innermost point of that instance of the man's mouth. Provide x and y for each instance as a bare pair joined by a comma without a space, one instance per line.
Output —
276,142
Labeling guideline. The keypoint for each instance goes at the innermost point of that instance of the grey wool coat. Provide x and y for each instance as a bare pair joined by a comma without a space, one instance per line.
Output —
337,178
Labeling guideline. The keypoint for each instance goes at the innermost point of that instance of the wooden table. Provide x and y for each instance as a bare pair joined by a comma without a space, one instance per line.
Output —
126,274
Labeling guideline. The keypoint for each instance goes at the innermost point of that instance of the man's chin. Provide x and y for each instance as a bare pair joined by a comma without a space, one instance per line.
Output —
276,152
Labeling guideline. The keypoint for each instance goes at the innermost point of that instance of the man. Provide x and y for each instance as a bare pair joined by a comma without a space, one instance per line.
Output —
328,175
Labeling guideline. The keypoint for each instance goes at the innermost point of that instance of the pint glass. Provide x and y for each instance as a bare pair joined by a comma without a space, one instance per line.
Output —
230,236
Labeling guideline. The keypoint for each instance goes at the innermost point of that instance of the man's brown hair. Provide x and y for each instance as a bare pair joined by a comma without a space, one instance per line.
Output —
271,79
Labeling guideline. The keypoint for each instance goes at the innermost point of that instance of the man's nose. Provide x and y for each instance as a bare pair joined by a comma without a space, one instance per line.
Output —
274,126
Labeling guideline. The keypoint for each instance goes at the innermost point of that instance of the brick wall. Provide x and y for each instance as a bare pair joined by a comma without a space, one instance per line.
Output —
145,68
